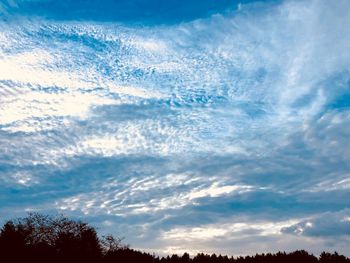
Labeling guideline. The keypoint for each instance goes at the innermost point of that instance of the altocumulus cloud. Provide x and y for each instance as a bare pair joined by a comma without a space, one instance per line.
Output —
224,129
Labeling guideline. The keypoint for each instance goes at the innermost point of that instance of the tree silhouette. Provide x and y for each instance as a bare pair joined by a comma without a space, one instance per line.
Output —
12,241
41,238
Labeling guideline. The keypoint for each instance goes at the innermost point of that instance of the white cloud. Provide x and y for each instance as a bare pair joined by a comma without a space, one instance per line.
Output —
225,230
233,238
19,178
326,225
216,190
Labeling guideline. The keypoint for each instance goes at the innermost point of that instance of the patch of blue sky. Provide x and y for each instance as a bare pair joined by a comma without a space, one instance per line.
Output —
340,97
124,11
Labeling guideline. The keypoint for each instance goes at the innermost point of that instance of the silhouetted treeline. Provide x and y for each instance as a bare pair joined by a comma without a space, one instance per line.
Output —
40,238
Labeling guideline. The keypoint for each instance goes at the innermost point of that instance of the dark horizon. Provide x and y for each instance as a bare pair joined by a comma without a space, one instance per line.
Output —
44,238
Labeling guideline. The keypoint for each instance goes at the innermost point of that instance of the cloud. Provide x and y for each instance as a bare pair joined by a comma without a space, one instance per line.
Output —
233,128
325,225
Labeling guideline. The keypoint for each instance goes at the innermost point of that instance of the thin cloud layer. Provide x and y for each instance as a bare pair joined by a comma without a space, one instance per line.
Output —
228,133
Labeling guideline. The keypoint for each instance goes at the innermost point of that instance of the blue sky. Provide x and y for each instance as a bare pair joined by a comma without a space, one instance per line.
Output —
215,126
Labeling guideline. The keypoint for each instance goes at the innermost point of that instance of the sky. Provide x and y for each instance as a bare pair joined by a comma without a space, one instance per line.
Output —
215,126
